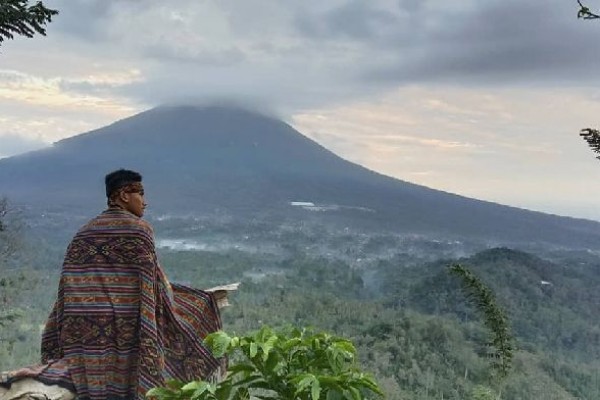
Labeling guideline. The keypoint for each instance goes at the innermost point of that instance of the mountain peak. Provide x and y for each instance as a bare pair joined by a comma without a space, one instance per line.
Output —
178,120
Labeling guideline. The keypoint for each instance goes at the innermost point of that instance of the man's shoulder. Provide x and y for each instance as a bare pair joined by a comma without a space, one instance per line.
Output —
118,221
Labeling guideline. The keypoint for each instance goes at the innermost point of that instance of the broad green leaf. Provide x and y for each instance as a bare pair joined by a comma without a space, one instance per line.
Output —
291,343
264,333
236,369
355,393
175,384
370,384
241,394
253,349
161,393
331,382
316,343
345,345
334,395
154,392
335,360
218,342
296,333
303,381
273,363
223,390
195,385
315,390
199,394
262,385
212,388
267,346
248,381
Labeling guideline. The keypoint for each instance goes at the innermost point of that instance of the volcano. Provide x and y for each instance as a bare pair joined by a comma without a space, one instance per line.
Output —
216,160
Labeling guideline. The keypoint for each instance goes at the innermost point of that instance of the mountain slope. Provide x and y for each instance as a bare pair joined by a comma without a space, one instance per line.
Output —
223,160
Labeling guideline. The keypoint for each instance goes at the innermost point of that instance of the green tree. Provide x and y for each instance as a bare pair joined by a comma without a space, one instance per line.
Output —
291,364
591,136
495,319
10,237
585,12
7,313
9,243
17,17
482,393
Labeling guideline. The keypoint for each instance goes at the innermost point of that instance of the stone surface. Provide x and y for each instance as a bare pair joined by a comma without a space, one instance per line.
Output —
30,389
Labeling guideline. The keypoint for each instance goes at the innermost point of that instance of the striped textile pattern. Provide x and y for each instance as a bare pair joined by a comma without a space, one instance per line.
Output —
118,327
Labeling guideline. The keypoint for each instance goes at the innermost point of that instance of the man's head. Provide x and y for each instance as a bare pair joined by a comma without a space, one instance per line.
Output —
124,189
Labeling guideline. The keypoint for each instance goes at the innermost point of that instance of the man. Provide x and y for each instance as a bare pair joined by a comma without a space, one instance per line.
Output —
118,327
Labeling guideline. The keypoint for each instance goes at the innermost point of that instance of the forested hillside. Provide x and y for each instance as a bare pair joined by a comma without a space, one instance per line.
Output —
412,325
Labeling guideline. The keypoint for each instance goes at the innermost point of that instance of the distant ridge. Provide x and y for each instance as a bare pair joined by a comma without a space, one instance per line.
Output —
215,160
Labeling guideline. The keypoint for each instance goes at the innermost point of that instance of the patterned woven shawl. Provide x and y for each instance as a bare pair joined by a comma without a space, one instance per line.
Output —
118,327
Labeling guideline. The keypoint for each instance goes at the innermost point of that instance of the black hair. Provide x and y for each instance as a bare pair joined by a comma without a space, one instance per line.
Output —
119,178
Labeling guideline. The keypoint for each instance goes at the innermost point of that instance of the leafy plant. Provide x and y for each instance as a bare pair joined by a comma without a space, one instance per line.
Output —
19,18
288,364
585,12
495,319
482,393
592,137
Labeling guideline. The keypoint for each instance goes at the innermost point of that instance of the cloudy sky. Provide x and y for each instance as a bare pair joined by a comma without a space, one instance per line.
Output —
478,97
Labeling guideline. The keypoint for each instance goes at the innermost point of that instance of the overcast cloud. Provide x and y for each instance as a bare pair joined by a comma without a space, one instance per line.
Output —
459,95
312,53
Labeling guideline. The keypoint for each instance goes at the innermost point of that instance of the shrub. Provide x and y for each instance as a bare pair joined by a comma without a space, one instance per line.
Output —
286,364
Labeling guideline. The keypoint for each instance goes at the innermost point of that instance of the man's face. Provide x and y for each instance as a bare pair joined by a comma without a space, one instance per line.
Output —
134,202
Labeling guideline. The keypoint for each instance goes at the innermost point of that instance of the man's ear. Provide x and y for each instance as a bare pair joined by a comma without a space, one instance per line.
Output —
124,196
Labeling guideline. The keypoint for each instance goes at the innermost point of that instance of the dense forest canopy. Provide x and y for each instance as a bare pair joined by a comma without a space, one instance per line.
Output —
406,314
